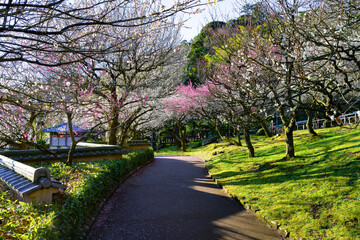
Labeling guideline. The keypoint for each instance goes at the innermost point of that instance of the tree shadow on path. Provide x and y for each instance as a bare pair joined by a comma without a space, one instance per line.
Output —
173,198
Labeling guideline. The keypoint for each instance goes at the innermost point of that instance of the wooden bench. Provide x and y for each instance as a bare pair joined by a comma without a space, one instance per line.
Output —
30,184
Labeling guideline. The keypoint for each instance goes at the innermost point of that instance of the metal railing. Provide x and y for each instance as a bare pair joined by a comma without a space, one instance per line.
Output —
345,119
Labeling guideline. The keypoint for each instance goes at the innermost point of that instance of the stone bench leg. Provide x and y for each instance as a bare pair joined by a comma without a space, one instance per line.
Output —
41,196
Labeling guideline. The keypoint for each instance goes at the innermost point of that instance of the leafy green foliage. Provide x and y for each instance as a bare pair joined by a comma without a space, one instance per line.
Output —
199,48
203,46
20,220
67,217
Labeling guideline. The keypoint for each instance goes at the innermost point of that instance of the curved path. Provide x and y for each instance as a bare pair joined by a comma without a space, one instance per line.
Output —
173,198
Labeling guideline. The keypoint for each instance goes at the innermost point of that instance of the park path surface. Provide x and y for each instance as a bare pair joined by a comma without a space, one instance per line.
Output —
173,198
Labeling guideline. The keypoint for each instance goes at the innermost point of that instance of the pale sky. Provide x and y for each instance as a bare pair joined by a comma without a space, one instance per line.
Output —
222,11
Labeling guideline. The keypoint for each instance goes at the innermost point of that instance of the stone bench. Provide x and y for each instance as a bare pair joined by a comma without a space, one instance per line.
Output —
30,184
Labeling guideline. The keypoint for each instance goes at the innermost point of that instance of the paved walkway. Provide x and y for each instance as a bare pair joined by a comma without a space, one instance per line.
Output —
173,198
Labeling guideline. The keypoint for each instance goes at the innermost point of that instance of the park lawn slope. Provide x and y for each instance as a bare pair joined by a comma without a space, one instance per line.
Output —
315,195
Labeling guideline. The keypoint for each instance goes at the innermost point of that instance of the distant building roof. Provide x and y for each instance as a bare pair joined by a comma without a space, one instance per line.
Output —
64,127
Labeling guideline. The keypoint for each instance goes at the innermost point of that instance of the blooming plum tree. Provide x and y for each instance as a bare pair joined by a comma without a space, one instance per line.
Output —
62,26
129,74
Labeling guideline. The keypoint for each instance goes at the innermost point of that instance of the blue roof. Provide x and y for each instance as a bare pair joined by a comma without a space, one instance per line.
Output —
64,127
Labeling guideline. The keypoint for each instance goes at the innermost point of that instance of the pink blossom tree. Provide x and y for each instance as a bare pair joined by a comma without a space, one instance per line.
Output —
238,82
179,107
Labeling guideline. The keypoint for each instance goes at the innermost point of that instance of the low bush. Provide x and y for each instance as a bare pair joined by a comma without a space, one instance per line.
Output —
67,218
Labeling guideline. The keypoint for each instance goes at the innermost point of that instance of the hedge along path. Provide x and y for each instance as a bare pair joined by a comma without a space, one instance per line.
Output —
68,218
174,198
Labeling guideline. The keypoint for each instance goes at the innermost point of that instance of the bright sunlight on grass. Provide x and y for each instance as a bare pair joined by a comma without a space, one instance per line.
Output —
313,196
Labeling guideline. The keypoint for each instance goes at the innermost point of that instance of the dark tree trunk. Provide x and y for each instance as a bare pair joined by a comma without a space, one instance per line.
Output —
289,138
20,146
266,129
114,124
182,137
251,151
70,157
227,138
176,139
114,128
327,121
124,135
239,138
309,124
183,141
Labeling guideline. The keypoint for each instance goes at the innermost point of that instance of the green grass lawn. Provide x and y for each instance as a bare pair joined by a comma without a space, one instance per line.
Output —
315,195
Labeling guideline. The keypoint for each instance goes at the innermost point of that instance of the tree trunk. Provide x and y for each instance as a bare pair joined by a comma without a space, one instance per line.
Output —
177,142
114,129
183,141
309,124
114,124
70,157
251,151
327,121
123,140
20,146
239,138
227,138
182,137
289,138
123,133
266,129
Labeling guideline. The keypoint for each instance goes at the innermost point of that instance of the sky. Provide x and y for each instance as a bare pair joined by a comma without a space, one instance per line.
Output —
222,11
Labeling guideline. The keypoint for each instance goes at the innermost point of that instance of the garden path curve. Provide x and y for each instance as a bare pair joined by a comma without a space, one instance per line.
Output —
173,198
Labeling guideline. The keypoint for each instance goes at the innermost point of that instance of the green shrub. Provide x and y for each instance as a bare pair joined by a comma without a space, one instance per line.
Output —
68,216
20,220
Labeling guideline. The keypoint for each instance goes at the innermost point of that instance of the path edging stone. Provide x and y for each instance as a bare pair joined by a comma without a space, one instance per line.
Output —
270,223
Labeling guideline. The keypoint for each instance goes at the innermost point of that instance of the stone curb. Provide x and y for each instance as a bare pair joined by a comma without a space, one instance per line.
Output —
284,233
101,205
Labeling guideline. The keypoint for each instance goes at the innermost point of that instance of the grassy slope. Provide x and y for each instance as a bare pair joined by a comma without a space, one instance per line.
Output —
315,195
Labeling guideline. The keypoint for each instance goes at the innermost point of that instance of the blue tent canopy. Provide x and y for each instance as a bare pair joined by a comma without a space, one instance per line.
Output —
64,127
